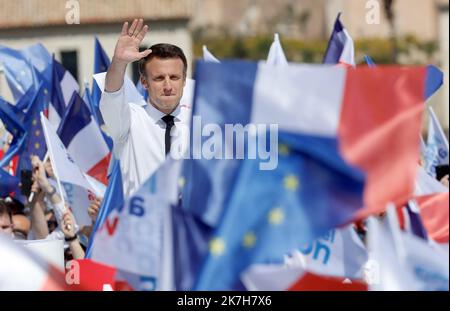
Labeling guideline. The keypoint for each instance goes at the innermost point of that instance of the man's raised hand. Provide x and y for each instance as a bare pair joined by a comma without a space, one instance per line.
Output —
127,47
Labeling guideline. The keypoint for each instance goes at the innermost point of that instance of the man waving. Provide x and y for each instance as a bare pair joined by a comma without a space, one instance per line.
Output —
143,131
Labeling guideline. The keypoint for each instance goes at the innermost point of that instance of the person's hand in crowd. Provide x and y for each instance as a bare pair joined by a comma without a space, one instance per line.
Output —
35,187
68,225
48,168
94,208
70,235
39,175
444,181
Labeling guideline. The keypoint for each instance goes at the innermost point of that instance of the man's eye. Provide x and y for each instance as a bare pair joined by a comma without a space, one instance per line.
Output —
175,78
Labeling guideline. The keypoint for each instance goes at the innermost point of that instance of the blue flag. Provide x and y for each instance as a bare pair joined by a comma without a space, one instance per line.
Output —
101,64
369,61
190,245
12,119
88,100
17,71
434,80
8,183
437,150
309,194
39,57
142,90
114,198
35,143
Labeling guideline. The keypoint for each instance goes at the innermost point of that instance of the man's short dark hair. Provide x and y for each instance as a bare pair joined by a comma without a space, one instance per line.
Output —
5,210
163,51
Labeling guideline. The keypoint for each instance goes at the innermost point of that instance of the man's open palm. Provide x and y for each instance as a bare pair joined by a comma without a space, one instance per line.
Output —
127,47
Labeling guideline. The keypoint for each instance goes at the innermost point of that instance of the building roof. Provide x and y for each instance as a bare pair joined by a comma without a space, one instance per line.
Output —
26,13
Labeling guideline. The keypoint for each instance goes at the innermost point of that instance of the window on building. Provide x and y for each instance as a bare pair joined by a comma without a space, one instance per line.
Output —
69,59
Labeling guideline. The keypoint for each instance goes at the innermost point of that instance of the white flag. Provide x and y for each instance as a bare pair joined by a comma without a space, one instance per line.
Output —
131,238
276,55
339,253
21,269
208,57
403,261
66,170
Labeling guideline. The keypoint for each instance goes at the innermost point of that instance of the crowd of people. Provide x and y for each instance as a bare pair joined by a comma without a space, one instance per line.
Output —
43,215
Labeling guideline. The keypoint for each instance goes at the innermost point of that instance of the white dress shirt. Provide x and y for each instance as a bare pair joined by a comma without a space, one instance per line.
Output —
138,134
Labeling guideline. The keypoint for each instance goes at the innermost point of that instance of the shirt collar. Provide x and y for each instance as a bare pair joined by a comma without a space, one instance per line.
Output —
156,115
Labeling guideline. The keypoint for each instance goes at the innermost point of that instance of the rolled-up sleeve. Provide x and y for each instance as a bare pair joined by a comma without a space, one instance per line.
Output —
116,114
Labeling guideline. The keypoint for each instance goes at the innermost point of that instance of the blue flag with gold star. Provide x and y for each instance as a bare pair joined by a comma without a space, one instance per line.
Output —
35,143
273,212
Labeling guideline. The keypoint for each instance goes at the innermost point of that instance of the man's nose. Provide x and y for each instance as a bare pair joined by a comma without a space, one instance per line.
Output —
167,84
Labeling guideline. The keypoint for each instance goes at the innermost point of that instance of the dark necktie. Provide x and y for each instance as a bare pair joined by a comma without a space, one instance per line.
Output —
168,119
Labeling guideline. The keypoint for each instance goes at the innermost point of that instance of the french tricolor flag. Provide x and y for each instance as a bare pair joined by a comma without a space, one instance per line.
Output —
340,48
81,135
63,87
361,123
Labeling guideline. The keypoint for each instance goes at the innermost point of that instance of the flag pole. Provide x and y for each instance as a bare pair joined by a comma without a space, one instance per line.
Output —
50,154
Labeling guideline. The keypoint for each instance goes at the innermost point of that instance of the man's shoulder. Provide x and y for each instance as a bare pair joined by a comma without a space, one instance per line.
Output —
137,106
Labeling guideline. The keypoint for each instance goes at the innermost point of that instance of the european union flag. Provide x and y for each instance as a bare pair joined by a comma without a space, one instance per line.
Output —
273,212
24,102
17,71
35,143
12,119
39,57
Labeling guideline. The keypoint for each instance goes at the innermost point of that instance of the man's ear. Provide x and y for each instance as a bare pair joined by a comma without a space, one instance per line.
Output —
144,81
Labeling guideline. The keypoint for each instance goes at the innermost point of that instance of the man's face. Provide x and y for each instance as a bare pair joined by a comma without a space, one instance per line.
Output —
164,81
6,226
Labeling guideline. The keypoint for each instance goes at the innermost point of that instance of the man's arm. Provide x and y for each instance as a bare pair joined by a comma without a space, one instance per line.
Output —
126,51
113,106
